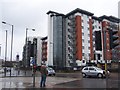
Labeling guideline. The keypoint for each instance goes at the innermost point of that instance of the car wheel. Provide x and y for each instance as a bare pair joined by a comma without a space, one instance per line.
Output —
50,74
54,74
84,75
100,75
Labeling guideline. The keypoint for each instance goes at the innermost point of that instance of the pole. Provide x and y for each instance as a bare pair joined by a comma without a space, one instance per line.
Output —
26,51
0,49
104,34
118,57
11,49
33,78
5,54
34,65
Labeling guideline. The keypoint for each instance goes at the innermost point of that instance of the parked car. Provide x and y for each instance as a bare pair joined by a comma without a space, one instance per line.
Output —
8,69
51,71
94,71
1,70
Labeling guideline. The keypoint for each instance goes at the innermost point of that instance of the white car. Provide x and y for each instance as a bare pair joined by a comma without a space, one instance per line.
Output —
1,70
51,71
94,71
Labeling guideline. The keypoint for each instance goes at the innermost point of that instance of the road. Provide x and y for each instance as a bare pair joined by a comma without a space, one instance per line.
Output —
61,80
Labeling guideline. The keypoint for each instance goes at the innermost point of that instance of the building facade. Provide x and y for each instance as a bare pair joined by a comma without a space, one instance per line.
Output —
33,50
78,37
56,39
44,49
79,46
97,39
111,42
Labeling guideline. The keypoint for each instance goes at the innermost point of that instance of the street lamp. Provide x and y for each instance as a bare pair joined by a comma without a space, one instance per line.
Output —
5,53
0,49
26,46
105,58
11,43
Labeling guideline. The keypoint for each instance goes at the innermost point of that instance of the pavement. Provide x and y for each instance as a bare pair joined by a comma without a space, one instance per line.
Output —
27,82
22,81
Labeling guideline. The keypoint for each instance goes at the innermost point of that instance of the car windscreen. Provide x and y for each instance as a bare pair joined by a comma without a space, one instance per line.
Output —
49,68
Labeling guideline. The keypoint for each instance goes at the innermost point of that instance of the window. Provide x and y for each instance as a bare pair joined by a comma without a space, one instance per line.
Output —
82,34
95,26
69,37
86,69
99,27
89,54
91,69
88,22
84,62
68,55
68,42
88,35
99,22
89,48
88,41
68,30
82,47
82,40
82,20
82,27
92,21
82,54
69,48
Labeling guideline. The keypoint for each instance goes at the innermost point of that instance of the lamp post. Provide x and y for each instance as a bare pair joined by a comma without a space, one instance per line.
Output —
104,40
0,49
26,46
118,57
11,43
53,61
5,53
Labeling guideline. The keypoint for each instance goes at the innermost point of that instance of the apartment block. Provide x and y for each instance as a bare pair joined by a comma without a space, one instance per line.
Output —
97,38
33,49
111,42
56,40
44,49
79,37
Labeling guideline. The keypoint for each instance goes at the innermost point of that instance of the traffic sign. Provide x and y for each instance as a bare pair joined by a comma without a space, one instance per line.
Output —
32,61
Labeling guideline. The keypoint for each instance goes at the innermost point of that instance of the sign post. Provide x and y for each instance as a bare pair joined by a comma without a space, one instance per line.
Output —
33,70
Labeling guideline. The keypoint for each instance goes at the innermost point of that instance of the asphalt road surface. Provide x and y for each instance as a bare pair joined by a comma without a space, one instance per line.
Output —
61,80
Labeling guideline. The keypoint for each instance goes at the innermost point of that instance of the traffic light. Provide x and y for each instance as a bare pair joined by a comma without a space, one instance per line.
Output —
113,38
32,50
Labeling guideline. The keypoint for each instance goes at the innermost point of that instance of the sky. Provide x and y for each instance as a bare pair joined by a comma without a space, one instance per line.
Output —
32,14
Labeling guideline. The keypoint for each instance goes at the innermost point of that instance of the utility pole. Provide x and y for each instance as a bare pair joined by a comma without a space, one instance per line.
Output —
5,54
11,43
34,64
104,34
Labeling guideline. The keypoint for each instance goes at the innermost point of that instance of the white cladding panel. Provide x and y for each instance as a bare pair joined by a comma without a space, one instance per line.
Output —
85,36
67,59
39,51
50,41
